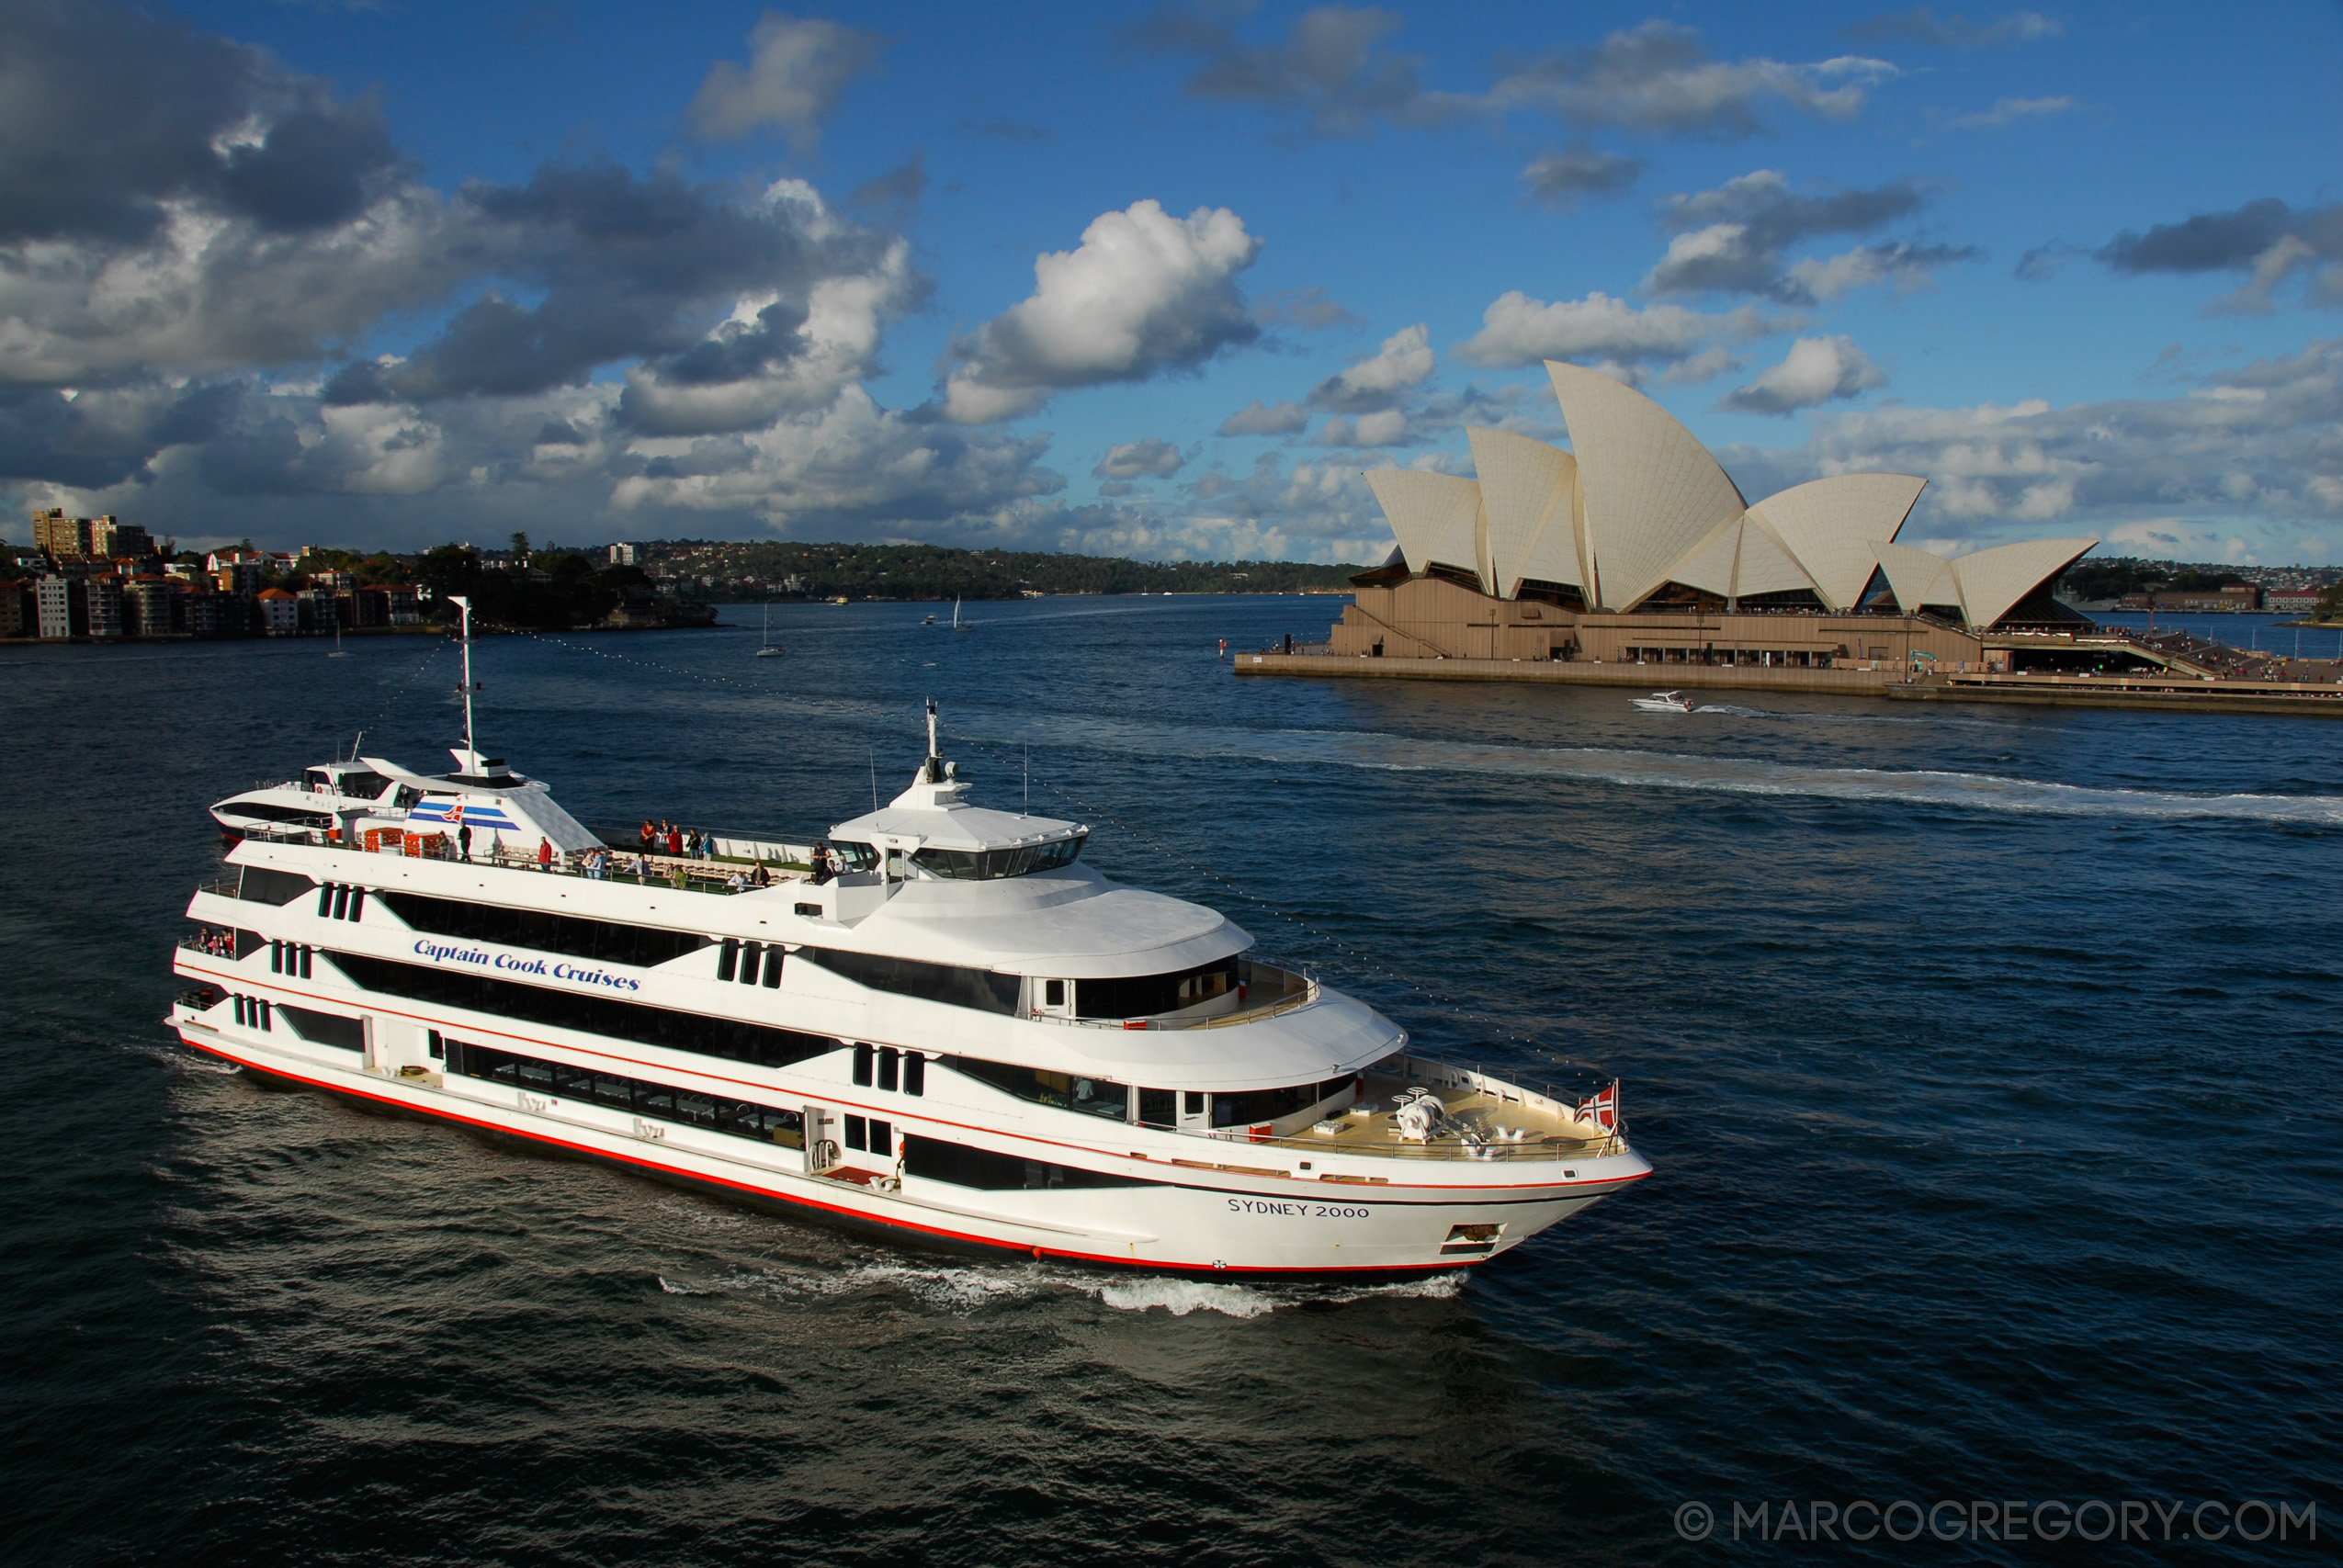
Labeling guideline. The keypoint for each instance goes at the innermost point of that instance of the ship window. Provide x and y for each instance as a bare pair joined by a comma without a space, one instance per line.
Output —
882,1136
938,1160
327,1028
1144,995
730,1038
728,962
1157,1108
1269,1104
914,1073
862,1066
772,967
1053,993
580,938
325,901
358,902
853,856
891,1067
309,956
950,984
1066,1091
810,911
988,865
751,952
857,1135
1192,1105
341,903
738,1118
275,958
438,1046
264,885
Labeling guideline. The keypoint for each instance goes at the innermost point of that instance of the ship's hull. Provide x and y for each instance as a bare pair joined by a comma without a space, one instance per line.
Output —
1205,1222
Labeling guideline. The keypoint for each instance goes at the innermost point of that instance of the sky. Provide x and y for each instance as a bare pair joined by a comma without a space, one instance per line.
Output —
1158,281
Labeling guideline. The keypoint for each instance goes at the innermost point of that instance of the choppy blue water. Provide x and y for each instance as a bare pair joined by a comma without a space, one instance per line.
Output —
1987,1057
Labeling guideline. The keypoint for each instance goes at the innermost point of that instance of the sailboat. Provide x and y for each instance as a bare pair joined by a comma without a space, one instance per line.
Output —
768,648
958,625
337,652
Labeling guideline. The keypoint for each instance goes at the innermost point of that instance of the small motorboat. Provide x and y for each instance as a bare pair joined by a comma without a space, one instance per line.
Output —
929,622
1665,702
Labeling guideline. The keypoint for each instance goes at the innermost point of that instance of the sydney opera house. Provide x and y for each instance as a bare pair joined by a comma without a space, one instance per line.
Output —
1636,547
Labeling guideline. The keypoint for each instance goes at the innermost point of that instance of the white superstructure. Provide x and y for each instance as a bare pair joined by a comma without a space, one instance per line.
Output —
964,1037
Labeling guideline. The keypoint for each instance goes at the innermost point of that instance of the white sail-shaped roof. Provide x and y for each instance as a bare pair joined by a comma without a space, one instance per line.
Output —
1993,580
1829,525
1651,490
1526,488
1919,578
1435,517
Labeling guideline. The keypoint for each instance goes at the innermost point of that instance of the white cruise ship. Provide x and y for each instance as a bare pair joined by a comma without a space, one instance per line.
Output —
962,1037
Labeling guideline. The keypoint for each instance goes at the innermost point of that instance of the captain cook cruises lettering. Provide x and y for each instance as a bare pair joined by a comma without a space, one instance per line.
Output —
513,964
1121,1082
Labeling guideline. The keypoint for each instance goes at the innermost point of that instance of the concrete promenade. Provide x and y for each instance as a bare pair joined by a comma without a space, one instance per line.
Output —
1572,672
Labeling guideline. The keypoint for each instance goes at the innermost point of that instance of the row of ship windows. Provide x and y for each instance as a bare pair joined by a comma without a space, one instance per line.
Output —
936,1159
883,1067
291,958
750,963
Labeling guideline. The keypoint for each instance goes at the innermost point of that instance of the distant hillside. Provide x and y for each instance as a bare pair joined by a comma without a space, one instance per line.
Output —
733,570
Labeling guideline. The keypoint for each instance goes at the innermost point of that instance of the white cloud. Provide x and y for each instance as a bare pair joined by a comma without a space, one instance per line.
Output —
1406,360
1906,269
2249,445
1386,427
1518,329
1816,370
1145,292
1257,418
2010,111
1703,368
1656,77
1151,459
798,68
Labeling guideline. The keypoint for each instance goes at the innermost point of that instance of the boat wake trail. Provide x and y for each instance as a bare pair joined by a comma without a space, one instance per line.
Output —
1727,776
960,1289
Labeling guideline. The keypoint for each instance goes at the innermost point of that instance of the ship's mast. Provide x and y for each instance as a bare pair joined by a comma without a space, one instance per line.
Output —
465,606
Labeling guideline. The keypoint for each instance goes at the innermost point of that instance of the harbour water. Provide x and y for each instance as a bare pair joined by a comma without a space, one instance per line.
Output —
1987,1058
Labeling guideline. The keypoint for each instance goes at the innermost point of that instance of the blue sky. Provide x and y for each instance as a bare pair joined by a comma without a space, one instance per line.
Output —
1161,281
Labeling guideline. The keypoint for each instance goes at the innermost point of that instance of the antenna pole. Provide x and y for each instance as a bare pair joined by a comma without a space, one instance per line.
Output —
874,776
1028,778
465,607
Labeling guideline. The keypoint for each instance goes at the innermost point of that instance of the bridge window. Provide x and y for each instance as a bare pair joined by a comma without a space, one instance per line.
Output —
608,941
988,865
1063,1091
1144,995
950,984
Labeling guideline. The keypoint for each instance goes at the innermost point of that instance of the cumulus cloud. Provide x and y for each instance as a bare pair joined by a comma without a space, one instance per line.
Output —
1731,240
1922,26
1386,427
1327,66
2261,442
1518,329
1144,293
2267,240
1405,361
1148,459
1257,417
1558,178
1816,370
797,69
1656,77
2010,111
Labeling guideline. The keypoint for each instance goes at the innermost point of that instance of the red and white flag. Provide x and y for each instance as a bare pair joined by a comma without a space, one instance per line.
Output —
1603,1110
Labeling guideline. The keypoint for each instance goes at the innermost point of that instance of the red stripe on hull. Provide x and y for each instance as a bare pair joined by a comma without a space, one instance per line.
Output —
957,1240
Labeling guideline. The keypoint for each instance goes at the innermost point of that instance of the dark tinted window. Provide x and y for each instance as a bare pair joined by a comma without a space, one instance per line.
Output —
1144,995
604,940
1067,1092
985,865
666,1102
1269,1104
263,884
949,983
725,1037
938,1160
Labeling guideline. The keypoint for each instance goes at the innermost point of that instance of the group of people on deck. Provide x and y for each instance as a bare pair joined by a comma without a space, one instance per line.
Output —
676,840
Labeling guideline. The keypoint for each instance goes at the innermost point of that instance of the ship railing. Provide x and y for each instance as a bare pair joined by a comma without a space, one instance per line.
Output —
1446,1147
1291,991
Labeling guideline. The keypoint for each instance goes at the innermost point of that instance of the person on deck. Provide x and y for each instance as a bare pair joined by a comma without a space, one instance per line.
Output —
545,855
764,878
821,865
464,841
647,831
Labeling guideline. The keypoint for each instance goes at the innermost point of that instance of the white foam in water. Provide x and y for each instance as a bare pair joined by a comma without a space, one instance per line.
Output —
1733,775
1181,1297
